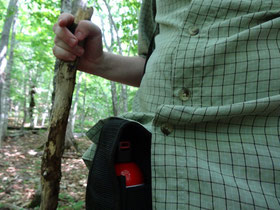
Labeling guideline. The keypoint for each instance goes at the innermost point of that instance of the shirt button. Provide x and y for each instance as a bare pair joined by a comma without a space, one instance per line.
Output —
166,129
184,94
193,30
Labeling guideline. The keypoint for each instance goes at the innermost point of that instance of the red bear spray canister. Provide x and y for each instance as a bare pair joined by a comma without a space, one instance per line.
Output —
126,167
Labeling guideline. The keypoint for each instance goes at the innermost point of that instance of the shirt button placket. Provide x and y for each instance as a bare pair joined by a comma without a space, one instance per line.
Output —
166,129
184,94
193,30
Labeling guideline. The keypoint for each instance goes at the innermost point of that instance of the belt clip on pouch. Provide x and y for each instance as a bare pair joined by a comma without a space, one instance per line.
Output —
120,175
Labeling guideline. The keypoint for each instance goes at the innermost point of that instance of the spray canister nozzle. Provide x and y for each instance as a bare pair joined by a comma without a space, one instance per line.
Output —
124,152
126,167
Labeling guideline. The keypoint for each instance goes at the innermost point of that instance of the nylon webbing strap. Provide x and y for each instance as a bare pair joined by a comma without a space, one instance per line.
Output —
100,193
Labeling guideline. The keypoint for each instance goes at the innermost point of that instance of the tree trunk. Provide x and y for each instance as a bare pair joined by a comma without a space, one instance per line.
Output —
114,92
75,103
83,114
7,84
124,98
24,104
32,82
31,105
46,113
53,151
114,98
11,12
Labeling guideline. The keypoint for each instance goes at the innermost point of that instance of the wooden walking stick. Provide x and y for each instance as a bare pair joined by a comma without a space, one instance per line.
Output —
54,147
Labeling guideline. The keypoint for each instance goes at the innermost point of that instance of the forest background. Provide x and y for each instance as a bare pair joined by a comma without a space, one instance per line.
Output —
27,71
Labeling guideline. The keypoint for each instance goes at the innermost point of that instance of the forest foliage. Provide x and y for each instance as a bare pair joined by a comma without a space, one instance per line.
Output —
33,64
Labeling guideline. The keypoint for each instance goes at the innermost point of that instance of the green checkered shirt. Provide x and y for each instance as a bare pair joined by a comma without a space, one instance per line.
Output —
211,98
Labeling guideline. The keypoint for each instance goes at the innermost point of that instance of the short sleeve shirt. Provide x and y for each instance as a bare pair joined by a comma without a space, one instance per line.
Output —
210,96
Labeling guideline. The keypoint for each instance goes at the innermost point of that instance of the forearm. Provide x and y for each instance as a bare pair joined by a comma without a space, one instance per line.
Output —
123,69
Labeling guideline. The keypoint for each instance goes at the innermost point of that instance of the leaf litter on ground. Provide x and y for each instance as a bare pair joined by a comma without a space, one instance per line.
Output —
20,162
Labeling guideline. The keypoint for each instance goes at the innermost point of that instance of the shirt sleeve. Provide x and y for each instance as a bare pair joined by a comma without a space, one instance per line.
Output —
147,26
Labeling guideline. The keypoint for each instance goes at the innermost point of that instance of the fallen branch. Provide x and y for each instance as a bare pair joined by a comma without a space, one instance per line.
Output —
26,128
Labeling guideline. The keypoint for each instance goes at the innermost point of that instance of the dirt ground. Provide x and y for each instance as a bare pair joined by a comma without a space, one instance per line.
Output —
20,162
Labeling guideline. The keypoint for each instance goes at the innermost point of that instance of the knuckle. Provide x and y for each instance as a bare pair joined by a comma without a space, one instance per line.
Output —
83,22
62,16
83,25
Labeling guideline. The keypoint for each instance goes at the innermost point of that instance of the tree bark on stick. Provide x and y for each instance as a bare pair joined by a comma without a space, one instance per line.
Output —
53,151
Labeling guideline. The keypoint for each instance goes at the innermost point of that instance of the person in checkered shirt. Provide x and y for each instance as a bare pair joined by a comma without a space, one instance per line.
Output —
210,96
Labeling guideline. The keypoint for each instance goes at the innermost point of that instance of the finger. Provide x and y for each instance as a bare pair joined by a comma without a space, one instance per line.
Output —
86,29
64,34
63,54
77,50
65,20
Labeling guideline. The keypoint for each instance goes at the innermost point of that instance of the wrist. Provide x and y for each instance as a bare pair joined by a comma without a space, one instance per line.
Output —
93,66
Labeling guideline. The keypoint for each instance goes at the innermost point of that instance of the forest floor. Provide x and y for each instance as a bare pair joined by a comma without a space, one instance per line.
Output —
20,163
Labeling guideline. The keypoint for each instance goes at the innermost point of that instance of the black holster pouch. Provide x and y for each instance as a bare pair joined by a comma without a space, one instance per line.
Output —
106,191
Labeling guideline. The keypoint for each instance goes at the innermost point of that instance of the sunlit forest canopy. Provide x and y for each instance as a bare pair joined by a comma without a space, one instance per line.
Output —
32,71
